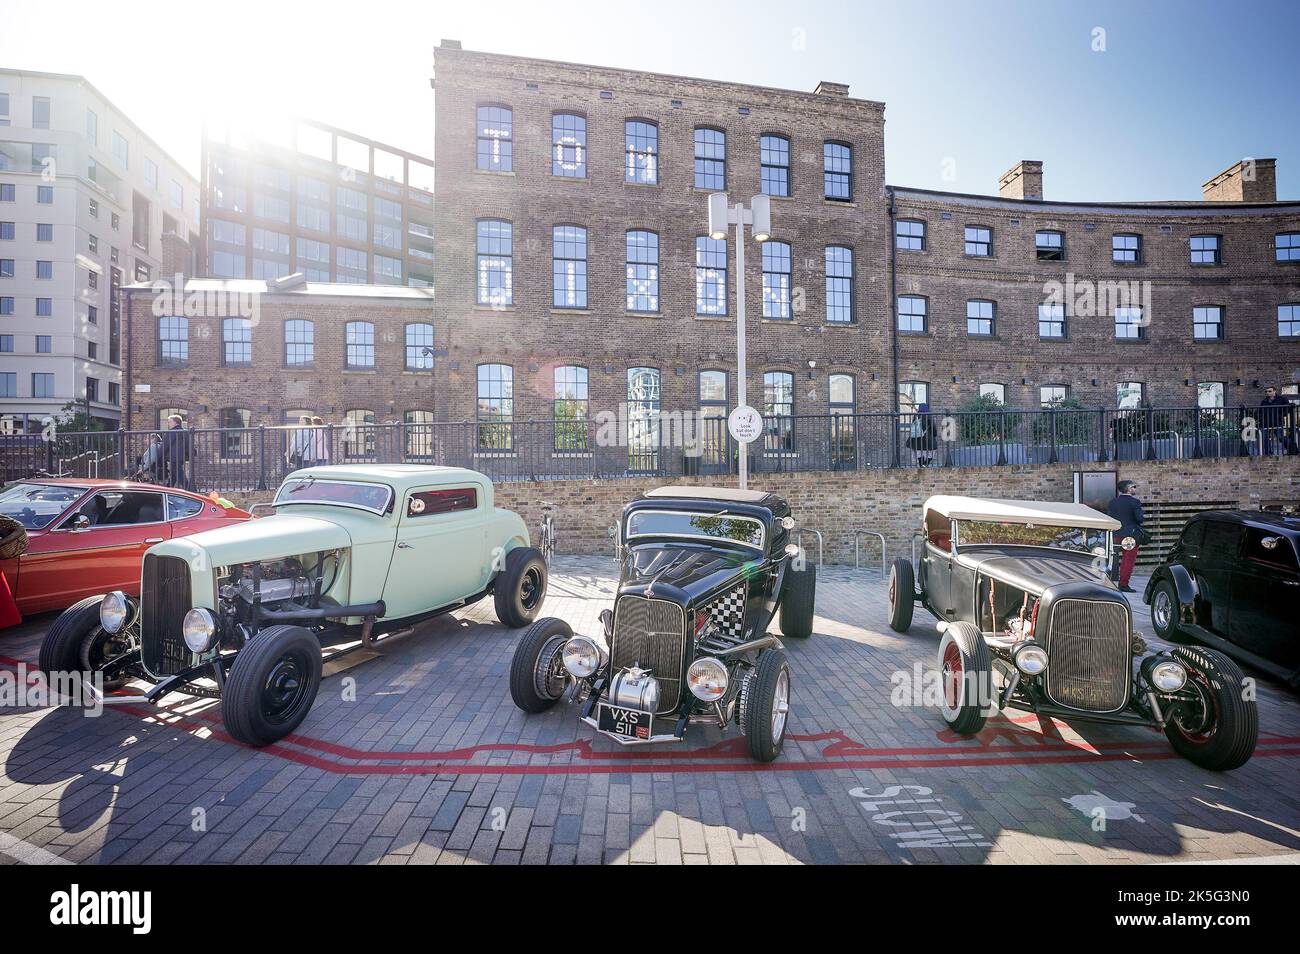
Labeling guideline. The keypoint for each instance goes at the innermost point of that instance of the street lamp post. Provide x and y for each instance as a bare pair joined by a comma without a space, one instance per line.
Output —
759,217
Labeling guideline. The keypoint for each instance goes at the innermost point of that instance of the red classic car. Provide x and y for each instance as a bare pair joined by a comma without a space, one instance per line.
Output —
89,536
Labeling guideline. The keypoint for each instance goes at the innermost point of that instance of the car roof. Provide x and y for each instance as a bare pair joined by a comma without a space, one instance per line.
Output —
100,483
726,494
1001,510
399,476
1288,523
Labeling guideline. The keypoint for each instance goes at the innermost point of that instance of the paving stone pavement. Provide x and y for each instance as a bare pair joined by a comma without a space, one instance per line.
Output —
420,757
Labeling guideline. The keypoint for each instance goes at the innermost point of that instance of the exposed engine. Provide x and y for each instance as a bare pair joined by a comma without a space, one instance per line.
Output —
297,581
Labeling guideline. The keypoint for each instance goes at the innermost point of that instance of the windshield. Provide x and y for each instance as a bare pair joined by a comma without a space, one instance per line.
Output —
713,526
36,505
1079,539
334,493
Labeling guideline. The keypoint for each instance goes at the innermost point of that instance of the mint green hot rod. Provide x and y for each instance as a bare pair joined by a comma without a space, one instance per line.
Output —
249,613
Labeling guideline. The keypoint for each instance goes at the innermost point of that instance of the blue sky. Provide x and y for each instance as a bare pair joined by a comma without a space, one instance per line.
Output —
1180,91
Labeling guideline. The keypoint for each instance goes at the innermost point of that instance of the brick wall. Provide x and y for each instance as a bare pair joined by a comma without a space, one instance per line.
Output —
889,501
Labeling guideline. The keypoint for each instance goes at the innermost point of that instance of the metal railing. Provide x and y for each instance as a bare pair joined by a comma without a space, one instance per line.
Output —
257,458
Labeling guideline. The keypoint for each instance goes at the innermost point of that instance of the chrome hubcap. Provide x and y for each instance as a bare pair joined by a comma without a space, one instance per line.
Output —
1161,610
780,705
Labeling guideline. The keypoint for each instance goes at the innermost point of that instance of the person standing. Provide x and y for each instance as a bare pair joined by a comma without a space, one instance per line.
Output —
302,444
320,442
176,451
1274,421
1127,509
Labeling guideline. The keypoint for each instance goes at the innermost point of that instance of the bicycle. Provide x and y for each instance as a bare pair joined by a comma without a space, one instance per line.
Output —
546,542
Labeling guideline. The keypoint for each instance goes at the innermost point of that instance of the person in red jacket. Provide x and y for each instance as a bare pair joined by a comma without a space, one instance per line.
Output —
1127,509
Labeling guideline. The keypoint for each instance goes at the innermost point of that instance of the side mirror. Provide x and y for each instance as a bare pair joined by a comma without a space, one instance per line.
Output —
1270,543
787,522
81,522
607,621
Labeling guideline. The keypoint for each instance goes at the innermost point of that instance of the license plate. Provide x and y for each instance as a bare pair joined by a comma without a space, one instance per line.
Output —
628,723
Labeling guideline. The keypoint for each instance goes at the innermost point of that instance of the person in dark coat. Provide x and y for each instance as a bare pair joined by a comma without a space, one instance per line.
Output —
176,451
1275,421
1127,509
923,439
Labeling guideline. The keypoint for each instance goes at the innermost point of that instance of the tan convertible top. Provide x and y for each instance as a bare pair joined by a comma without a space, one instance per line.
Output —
1019,511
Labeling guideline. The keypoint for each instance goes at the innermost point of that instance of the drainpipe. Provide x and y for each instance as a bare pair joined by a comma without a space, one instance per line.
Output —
893,314
124,341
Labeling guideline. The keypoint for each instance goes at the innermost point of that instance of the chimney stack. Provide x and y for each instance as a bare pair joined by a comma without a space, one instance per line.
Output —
1024,180
827,88
1250,180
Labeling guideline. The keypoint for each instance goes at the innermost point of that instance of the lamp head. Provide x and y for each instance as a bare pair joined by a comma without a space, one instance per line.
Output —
718,216
761,208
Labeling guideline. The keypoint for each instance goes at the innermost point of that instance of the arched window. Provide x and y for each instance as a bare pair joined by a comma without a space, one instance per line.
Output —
359,337
569,266
173,341
236,441
495,130
841,391
642,271
776,280
570,408
299,343
774,165
569,145
496,407
419,434
237,342
358,434
641,148
495,263
710,276
643,405
839,284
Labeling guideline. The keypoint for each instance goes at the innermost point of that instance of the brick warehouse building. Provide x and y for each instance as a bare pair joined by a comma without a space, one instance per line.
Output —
573,269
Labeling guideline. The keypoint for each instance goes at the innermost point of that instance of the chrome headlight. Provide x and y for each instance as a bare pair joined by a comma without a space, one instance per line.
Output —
1168,675
199,629
707,679
114,611
1030,658
1128,543
582,656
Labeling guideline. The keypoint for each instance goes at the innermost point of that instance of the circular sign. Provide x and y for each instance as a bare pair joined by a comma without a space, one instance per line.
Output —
745,424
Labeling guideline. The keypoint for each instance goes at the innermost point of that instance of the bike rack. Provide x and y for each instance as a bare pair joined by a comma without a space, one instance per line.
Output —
818,535
857,542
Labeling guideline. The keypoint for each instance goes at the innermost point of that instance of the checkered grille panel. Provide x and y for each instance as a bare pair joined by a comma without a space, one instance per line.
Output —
728,612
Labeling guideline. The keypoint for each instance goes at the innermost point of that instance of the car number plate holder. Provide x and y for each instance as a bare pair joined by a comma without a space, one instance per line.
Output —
633,724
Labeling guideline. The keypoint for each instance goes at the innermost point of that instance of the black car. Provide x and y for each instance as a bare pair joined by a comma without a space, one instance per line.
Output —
703,572
1031,620
1232,581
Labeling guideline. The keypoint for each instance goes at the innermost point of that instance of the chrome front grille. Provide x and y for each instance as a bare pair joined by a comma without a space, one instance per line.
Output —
651,634
1091,660
164,601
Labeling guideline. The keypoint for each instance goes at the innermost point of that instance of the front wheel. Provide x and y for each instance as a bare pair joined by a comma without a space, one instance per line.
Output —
902,595
272,685
797,600
765,705
520,588
78,643
537,673
1220,730
966,671
1164,612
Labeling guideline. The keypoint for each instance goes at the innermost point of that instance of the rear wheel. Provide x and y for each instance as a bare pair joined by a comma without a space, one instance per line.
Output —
902,595
797,599
520,588
966,670
1220,730
765,705
537,673
1164,612
272,685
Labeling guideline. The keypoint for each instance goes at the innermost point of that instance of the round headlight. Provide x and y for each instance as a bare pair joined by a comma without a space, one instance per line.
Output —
199,629
582,656
1128,543
1030,658
707,679
113,611
1168,676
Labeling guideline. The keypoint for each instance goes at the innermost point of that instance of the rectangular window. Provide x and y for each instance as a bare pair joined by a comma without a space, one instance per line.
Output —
839,284
979,241
569,146
315,218
387,269
237,342
495,263
6,344
1129,395
1049,246
44,307
6,268
42,385
8,384
92,279
44,344
710,159
1126,248
44,232
92,127
92,389
7,231
1051,321
1129,323
121,150
432,503
6,305
8,192
1050,395
360,337
1209,395
299,343
997,392
227,264
176,195
92,316
40,112
45,195
641,149
4,109
774,165
1288,320
150,173
710,276
92,244
495,126
980,318
1286,246
1204,249
569,266
909,235
419,347
837,171
1207,323
912,314
777,264
642,271
173,342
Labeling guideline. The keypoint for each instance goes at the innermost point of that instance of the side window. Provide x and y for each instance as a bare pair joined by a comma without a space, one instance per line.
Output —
120,508
428,503
179,508
1221,541
1272,550
1193,535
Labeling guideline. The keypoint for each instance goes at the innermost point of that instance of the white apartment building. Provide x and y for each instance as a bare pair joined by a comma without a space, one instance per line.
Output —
85,198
